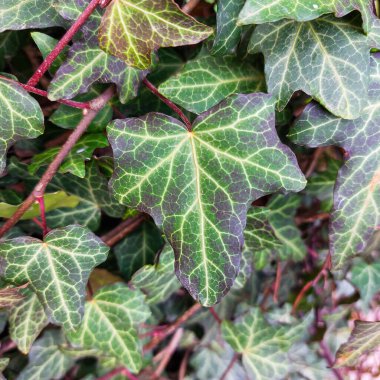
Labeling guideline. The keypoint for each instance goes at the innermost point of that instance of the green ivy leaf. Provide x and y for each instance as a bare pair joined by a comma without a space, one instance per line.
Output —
21,117
9,46
162,22
158,281
366,277
110,324
228,33
3,364
328,60
356,212
262,11
52,202
28,14
205,81
26,321
57,269
138,249
364,338
74,162
179,177
10,296
46,359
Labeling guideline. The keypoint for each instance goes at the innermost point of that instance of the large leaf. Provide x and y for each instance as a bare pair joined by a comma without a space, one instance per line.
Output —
364,338
46,359
207,80
21,117
27,14
26,321
110,325
263,347
356,212
158,281
198,185
57,269
138,249
227,31
161,23
328,60
262,11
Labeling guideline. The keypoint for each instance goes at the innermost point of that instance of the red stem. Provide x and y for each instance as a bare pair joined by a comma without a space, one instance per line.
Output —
169,103
277,283
119,371
48,61
43,93
41,202
215,315
228,369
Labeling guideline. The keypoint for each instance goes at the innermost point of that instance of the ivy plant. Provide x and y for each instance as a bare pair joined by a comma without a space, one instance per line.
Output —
189,189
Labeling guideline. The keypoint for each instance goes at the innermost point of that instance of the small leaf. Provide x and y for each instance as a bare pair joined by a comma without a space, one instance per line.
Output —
262,11
205,81
74,162
228,33
356,212
163,25
364,338
21,117
366,277
28,14
328,60
158,281
110,325
57,269
46,359
52,202
181,179
138,249
26,321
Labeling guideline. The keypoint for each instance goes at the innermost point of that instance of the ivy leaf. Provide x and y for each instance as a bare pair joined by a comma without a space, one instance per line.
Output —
263,11
57,269
3,364
163,25
228,33
205,81
263,347
26,321
9,46
46,359
366,277
21,117
158,281
328,60
364,338
52,201
138,249
10,296
74,162
356,212
28,14
110,324
180,178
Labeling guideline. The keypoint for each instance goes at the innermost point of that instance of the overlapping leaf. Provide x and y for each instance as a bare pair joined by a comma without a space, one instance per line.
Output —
110,325
20,117
262,11
9,45
57,269
46,359
158,281
26,321
27,14
132,30
328,60
198,185
87,63
227,31
10,296
205,81
138,249
364,338
356,211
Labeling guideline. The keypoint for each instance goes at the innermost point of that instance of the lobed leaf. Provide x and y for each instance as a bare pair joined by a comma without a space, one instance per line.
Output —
198,185
57,269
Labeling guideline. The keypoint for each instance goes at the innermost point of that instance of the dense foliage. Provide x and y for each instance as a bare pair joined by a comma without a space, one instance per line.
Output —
189,190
